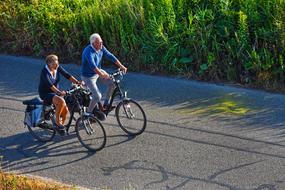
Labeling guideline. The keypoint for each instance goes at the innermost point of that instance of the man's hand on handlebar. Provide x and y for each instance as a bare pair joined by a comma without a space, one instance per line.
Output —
124,69
81,83
105,75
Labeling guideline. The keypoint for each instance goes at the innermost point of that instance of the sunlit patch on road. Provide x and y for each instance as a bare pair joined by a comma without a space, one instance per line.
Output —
226,105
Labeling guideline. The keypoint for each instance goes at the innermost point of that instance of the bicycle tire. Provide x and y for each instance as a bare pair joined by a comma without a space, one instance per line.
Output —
83,129
130,111
41,134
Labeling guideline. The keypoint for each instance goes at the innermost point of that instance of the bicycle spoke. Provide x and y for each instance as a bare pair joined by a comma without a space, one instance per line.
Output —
90,133
131,117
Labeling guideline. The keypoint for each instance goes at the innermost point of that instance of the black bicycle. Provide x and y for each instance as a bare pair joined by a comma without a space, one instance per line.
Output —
130,115
89,130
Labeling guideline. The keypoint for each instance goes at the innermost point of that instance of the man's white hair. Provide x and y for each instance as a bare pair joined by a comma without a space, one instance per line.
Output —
93,37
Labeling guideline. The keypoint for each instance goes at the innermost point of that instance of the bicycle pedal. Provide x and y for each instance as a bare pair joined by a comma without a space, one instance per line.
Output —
86,114
62,133
100,115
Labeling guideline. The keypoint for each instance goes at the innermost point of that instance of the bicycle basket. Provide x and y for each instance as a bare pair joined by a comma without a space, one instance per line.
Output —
85,98
71,103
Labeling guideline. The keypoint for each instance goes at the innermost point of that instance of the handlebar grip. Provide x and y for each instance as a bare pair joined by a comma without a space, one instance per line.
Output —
69,92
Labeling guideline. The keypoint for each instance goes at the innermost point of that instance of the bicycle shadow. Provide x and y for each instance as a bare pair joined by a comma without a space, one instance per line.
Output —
114,134
21,149
183,181
21,152
173,179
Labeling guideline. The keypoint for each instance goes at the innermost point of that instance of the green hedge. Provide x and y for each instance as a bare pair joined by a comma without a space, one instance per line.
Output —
241,40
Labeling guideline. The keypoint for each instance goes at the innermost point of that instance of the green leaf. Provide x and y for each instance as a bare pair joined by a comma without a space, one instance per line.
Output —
248,65
174,61
204,67
186,60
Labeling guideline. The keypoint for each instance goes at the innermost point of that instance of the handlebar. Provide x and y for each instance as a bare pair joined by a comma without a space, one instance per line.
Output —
75,88
116,76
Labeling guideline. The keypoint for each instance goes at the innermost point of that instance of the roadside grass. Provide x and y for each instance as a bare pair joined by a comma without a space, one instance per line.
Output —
220,40
12,181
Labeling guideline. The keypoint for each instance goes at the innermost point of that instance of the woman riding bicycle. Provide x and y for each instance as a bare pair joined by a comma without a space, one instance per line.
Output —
49,90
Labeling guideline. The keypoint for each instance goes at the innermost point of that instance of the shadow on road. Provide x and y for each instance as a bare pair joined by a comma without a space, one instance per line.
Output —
242,110
253,109
166,177
239,107
187,128
170,179
21,151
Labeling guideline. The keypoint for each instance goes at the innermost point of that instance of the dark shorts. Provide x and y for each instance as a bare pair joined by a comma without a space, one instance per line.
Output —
47,98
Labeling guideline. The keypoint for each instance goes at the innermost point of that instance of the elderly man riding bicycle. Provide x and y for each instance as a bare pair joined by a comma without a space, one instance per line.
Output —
91,71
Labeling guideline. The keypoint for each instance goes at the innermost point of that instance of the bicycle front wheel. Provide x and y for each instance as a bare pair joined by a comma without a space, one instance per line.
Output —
131,117
43,132
90,133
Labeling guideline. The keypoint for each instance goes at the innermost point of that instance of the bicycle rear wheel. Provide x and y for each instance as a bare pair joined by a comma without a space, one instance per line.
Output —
131,117
42,132
90,133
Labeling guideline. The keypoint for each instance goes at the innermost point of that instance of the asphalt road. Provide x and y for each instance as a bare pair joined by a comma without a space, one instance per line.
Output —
199,136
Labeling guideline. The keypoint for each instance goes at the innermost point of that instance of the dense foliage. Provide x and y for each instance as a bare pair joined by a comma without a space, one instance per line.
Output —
229,40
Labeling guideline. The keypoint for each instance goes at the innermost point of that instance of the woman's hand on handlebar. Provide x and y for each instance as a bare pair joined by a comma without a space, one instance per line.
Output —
61,93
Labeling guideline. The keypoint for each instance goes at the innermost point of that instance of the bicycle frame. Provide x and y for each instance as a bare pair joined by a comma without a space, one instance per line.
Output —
51,114
117,92
123,109
72,115
81,108
81,112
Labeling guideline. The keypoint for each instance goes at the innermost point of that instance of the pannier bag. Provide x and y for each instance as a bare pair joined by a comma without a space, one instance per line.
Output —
33,115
